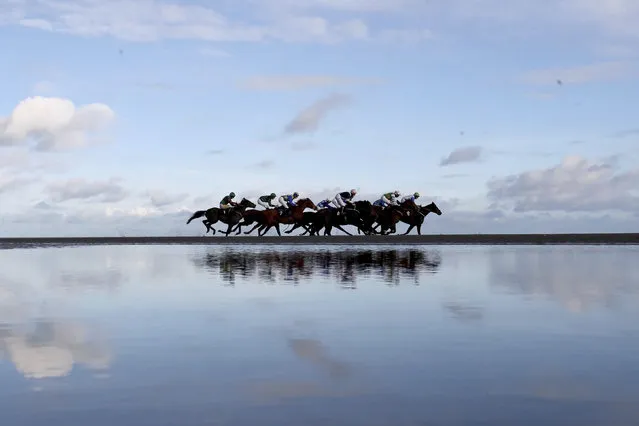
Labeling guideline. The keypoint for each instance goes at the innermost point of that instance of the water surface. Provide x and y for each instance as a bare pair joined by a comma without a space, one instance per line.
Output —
311,335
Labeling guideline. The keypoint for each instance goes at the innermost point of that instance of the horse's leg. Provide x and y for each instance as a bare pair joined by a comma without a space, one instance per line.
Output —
277,228
419,229
410,228
229,227
253,229
306,230
263,229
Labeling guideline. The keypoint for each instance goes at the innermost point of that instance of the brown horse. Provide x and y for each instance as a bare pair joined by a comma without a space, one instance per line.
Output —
272,218
416,218
215,214
388,217
409,205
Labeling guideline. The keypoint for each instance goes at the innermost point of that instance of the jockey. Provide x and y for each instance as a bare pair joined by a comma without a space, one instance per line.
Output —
325,204
342,198
411,197
388,199
227,202
266,201
288,200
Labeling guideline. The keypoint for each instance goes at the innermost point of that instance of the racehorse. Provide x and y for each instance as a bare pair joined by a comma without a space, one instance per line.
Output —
330,218
388,217
272,218
306,223
368,214
416,218
215,214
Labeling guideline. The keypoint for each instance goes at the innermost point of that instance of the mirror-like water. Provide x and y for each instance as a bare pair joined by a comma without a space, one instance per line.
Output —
188,335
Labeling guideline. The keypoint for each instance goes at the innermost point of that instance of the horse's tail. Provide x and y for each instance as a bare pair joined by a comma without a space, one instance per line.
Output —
197,214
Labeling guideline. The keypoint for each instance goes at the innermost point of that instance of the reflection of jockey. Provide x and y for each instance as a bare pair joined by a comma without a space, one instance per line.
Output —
288,200
227,202
342,198
411,197
266,201
325,204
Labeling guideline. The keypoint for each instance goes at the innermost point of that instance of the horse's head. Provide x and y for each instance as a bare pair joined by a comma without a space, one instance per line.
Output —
247,203
306,203
432,207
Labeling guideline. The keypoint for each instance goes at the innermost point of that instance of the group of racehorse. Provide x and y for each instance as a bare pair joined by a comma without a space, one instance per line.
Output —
367,217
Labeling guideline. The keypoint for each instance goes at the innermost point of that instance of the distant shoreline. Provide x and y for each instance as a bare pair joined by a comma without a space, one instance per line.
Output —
356,240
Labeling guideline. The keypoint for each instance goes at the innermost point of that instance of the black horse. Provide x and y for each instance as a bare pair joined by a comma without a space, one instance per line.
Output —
329,218
368,214
230,217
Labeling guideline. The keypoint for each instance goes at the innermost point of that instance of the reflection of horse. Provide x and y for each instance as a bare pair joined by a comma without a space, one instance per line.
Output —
343,265
230,217
415,218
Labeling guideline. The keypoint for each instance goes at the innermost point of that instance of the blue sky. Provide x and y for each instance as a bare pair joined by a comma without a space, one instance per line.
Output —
189,101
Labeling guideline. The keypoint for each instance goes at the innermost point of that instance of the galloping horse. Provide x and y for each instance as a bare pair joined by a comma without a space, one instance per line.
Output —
330,218
215,214
388,217
416,218
368,214
271,218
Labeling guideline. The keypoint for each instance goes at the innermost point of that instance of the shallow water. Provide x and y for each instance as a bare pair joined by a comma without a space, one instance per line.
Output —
263,335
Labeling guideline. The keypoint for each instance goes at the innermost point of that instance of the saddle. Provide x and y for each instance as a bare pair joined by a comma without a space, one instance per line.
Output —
283,211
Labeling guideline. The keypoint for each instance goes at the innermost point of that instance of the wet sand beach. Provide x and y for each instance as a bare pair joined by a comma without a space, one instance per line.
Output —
465,239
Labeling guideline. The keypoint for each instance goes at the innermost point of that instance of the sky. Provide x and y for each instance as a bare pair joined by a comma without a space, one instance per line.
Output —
123,117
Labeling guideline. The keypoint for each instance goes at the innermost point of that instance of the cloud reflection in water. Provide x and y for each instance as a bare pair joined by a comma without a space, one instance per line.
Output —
40,344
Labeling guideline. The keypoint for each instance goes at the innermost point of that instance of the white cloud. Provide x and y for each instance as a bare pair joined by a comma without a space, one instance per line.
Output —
574,185
13,183
297,82
343,5
53,123
109,191
309,119
152,20
601,71
160,198
468,154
